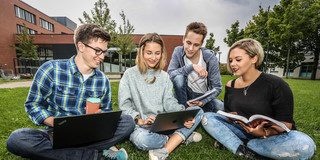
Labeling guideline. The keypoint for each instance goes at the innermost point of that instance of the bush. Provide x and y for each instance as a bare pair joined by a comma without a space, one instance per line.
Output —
223,70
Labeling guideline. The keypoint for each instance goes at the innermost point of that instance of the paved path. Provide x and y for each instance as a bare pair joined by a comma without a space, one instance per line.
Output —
28,83
16,84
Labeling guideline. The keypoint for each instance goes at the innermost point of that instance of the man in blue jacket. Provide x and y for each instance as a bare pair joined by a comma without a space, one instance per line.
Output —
194,70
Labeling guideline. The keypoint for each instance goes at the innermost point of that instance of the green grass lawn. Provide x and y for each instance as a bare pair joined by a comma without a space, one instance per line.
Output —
306,114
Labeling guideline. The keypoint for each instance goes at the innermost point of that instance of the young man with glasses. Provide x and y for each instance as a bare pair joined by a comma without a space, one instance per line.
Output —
60,88
194,70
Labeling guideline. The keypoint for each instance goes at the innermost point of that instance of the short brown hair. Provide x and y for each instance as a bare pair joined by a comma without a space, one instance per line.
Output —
252,48
198,28
140,62
87,32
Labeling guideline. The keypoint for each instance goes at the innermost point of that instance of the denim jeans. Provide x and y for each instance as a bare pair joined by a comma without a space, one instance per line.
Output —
183,93
35,143
292,145
145,140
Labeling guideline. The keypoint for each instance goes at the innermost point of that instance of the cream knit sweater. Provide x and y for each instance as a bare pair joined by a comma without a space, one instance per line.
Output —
137,97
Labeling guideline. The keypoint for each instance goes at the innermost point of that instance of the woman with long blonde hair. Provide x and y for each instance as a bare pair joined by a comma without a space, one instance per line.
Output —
145,91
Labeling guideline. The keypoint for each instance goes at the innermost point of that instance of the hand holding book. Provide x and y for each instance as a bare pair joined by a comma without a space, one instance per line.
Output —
194,103
257,119
259,130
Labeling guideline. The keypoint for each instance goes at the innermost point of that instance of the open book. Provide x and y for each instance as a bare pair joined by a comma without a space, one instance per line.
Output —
203,96
253,118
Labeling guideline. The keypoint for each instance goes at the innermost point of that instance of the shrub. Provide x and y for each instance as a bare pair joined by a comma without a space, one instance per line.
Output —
223,70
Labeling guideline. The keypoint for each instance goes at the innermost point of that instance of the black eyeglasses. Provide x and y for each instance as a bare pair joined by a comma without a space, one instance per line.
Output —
98,51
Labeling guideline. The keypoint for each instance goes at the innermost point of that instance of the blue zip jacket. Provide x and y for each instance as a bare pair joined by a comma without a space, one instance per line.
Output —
177,67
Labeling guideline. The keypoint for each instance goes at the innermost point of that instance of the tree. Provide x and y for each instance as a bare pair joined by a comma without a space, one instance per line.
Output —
289,31
234,34
100,16
257,29
210,44
123,39
286,26
26,47
311,42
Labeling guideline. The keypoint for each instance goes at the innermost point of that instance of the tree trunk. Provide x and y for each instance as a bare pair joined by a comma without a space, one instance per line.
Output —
125,62
266,61
120,63
288,62
315,65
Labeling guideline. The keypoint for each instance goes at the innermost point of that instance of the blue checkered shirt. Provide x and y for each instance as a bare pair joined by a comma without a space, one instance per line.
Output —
59,89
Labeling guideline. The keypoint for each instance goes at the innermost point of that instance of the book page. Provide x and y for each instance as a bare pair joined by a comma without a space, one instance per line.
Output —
280,124
234,116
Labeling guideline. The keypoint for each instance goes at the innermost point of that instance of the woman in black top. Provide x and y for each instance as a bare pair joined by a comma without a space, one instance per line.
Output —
257,93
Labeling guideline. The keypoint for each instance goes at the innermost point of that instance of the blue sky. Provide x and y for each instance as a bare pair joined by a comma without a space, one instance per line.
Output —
169,17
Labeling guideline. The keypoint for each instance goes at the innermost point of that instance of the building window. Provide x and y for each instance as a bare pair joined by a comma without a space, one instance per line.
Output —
25,15
46,25
273,70
290,73
306,70
45,53
21,28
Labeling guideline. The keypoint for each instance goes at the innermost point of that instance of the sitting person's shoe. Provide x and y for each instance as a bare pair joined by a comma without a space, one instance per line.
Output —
158,154
114,148
246,152
194,137
218,145
114,154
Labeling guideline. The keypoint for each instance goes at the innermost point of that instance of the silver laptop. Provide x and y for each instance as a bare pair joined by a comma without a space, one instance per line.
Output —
166,122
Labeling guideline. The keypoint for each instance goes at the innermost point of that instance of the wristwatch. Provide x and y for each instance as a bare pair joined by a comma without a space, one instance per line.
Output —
136,119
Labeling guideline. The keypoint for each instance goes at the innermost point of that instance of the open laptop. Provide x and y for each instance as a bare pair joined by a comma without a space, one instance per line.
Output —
171,121
79,130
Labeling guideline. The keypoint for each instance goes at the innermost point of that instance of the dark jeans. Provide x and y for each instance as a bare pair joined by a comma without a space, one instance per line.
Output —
35,143
183,93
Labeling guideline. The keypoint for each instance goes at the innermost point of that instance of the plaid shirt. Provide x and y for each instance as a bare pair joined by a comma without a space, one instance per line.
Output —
59,89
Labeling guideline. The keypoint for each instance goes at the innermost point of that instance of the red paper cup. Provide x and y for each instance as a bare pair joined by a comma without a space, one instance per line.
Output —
93,105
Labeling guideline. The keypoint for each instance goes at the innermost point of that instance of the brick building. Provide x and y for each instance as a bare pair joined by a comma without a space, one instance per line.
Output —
14,14
52,35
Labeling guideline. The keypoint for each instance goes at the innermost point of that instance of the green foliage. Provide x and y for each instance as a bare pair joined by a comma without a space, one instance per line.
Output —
234,34
100,16
306,97
311,41
26,48
287,27
123,39
257,28
210,44
291,29
224,70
